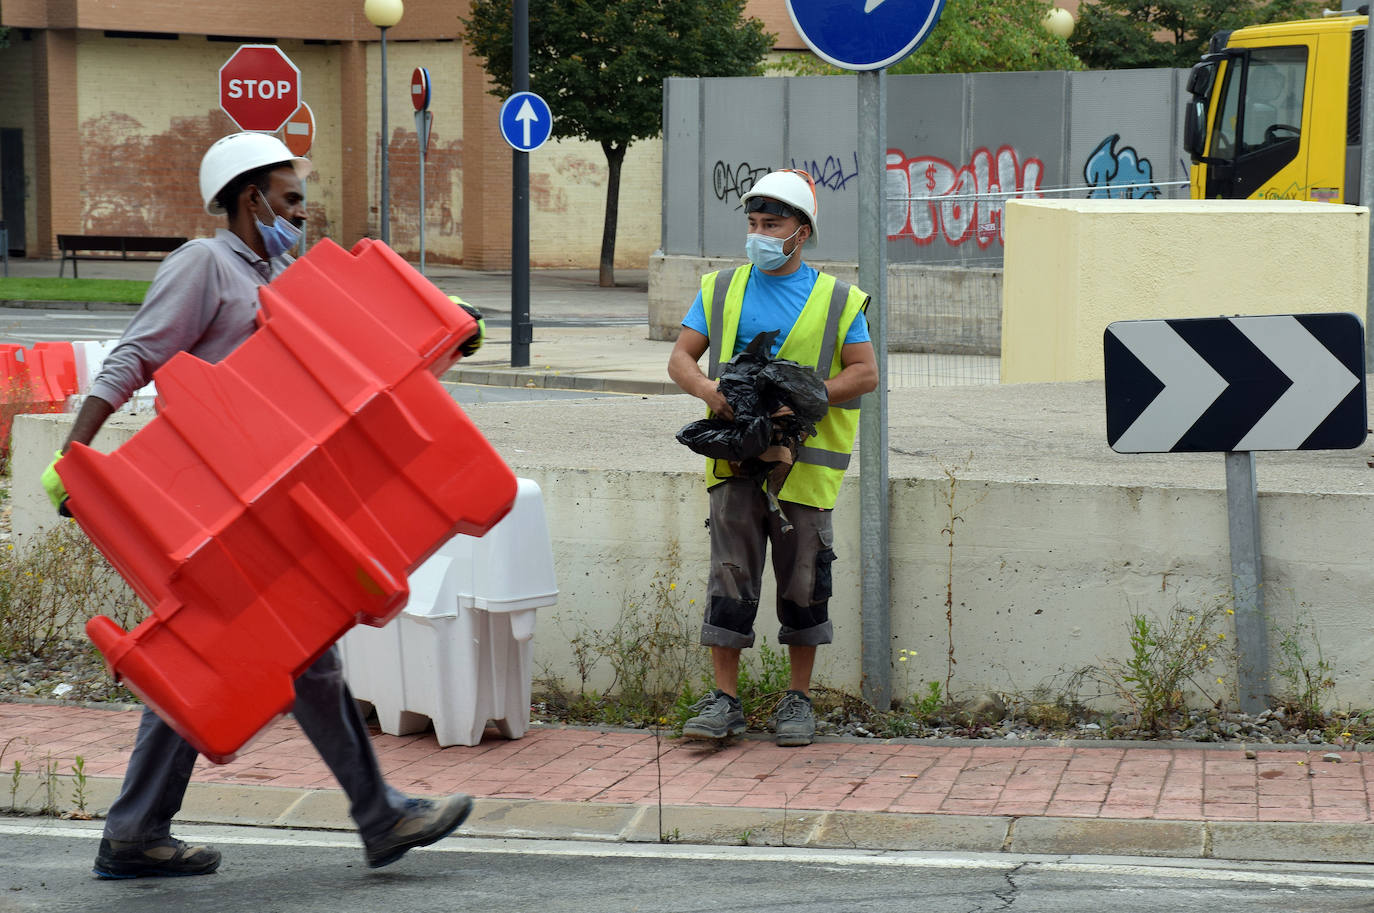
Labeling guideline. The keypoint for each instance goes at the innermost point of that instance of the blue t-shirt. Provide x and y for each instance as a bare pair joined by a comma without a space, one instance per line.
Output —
770,303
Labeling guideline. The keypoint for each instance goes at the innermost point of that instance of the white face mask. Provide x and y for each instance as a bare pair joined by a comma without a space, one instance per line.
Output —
766,251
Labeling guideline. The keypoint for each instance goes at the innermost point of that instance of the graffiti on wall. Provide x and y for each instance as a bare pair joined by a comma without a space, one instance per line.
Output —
1119,174
930,198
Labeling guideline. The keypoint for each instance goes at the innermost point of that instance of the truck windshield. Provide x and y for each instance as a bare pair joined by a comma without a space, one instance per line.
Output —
1262,99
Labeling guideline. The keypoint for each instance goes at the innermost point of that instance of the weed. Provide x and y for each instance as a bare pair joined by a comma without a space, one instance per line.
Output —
745,836
49,787
51,585
79,793
1167,656
650,652
673,836
931,705
15,776
955,515
1305,672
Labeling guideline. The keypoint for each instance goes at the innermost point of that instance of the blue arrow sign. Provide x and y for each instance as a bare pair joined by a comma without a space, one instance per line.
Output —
526,121
864,34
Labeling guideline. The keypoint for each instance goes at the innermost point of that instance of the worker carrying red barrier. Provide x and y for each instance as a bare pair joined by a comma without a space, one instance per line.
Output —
332,464
304,459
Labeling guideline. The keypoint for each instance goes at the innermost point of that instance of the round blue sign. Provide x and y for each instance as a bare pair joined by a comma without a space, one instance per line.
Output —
864,34
526,121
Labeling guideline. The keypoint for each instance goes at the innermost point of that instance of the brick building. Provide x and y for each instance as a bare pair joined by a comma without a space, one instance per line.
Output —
107,105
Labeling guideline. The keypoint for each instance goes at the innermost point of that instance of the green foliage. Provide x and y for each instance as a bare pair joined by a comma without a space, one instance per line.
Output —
1305,672
929,706
1122,34
973,36
650,652
601,66
80,790
119,291
1166,658
49,587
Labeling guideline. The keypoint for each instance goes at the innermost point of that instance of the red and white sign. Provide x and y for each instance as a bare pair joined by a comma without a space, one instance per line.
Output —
259,87
299,131
419,89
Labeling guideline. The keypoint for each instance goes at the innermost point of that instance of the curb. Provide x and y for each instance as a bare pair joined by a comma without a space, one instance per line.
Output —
553,380
327,809
70,305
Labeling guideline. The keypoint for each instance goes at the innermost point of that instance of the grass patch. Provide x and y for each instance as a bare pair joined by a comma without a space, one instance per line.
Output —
123,291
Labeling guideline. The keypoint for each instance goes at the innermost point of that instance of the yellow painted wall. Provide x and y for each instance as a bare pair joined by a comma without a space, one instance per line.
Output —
1074,266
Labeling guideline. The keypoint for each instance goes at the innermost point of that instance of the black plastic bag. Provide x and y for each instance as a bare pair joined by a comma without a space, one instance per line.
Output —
757,386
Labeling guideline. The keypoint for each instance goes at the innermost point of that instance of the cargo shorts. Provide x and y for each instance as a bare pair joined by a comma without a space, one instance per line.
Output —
742,529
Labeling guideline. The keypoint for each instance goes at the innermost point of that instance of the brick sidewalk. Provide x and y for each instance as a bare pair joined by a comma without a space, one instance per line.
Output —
578,765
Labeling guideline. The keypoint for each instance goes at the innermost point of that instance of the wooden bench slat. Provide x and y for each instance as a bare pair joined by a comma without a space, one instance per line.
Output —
113,247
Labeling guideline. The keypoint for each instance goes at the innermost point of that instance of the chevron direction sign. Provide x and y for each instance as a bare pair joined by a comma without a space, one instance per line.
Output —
1286,382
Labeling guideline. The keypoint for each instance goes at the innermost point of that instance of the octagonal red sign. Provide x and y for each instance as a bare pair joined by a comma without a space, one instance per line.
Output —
259,87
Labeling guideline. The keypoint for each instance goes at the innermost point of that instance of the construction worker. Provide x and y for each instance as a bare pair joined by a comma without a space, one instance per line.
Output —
204,300
820,322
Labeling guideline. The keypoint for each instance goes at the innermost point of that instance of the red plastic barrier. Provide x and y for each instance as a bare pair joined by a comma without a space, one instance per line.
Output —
285,494
35,380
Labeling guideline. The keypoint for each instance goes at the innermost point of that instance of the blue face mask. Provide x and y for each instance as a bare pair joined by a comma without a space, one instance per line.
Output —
765,251
280,236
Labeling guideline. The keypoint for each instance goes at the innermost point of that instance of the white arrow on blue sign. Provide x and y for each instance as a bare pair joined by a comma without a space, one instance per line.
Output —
864,34
1282,382
526,121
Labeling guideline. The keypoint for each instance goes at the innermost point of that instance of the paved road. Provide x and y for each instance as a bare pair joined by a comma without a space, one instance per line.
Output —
44,865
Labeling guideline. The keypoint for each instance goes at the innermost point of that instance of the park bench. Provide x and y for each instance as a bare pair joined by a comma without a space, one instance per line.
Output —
113,247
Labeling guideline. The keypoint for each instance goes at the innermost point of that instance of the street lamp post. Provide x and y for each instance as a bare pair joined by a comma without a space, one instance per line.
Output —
384,14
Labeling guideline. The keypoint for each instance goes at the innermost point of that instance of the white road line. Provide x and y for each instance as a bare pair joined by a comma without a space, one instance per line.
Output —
1290,875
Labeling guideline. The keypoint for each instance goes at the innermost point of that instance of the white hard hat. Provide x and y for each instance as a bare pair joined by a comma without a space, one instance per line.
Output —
232,155
791,186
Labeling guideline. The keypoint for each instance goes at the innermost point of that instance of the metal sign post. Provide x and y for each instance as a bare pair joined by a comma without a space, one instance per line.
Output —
424,118
868,36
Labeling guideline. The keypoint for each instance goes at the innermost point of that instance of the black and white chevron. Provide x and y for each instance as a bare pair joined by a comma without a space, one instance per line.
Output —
1285,382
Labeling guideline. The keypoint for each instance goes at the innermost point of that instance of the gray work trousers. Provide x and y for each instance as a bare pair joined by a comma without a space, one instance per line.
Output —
162,761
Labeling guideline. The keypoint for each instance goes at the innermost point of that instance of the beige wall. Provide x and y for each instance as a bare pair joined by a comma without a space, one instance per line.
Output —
1074,266
1043,575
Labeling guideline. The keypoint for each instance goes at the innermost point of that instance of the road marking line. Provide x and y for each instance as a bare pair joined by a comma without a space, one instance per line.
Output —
1218,870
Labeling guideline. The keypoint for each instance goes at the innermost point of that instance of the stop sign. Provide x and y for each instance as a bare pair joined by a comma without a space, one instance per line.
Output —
259,87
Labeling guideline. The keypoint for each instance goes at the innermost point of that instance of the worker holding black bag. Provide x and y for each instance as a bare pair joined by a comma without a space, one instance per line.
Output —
782,497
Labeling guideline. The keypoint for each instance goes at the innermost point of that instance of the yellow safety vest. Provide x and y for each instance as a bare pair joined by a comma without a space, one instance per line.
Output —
816,339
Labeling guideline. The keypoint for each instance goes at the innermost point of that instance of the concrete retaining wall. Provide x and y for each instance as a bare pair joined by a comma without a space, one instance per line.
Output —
1041,577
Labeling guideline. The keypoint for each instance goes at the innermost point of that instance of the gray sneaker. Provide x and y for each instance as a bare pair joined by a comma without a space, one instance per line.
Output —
425,821
718,715
794,721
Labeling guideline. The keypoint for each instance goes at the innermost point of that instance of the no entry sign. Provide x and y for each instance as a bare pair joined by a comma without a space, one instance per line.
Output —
259,87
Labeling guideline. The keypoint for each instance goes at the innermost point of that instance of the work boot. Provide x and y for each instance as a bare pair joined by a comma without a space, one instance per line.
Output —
794,721
424,821
167,856
718,715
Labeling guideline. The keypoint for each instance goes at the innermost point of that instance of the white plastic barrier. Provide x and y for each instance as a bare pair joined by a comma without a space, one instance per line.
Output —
460,653
90,355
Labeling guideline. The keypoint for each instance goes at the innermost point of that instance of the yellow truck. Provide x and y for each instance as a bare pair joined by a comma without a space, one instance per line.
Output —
1274,112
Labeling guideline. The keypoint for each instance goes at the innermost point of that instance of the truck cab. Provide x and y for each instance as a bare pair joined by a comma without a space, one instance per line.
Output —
1274,112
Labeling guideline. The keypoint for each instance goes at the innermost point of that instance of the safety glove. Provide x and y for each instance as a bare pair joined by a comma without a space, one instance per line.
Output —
473,342
52,484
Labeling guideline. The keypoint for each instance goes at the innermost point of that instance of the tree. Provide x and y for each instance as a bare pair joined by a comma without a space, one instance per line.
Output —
601,65
973,36
1121,34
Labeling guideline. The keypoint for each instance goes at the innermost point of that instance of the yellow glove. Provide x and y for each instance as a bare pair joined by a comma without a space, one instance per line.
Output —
474,342
52,484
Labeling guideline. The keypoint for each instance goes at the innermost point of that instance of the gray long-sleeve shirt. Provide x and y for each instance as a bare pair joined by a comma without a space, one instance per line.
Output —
203,300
